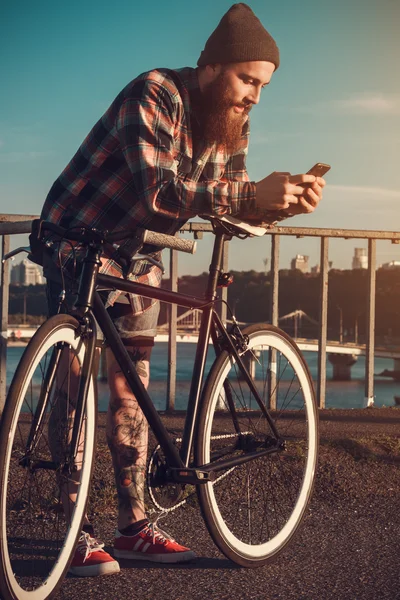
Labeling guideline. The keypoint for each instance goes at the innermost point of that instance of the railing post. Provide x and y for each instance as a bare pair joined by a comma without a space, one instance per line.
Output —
275,247
370,346
4,295
323,323
172,330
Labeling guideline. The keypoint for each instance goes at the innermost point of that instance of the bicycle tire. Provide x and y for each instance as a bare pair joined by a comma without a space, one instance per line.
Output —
253,510
36,541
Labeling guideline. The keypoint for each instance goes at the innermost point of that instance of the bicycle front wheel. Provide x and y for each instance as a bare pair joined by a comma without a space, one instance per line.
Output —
253,509
43,490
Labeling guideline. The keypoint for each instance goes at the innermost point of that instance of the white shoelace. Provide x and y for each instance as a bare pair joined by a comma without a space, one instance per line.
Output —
157,533
88,544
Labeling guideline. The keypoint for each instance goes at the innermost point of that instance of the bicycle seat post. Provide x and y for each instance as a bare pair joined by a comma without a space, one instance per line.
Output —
201,354
215,266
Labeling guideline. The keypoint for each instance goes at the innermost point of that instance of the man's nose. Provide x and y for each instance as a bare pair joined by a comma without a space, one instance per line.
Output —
254,96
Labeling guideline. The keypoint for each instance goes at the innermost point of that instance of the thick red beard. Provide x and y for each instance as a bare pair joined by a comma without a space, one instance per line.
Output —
222,125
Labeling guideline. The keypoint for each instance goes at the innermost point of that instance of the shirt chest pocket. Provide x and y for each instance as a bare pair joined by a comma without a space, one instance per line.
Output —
184,165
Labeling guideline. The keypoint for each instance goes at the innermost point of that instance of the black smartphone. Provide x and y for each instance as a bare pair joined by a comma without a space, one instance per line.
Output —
319,169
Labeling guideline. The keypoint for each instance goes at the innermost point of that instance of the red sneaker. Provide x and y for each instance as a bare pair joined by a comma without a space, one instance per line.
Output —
90,560
151,543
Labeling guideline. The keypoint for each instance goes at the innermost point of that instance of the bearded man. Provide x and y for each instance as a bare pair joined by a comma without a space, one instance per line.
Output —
171,146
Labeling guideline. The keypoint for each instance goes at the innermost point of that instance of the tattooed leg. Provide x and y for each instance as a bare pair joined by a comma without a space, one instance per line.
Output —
127,436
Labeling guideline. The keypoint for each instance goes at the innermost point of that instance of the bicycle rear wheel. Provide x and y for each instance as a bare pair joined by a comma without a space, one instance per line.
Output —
40,519
253,509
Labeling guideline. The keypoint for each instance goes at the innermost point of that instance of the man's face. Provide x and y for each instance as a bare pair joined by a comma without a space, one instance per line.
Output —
229,97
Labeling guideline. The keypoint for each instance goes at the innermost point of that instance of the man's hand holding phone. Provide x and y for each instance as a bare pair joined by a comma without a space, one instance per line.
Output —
294,194
312,196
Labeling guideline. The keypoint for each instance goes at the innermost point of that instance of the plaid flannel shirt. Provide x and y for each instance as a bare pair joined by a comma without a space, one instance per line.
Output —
145,164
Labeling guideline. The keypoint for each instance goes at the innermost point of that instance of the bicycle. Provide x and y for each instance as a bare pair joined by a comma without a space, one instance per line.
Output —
249,444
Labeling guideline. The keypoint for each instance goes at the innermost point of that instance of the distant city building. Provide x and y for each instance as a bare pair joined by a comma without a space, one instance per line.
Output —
317,269
300,262
393,264
26,273
360,259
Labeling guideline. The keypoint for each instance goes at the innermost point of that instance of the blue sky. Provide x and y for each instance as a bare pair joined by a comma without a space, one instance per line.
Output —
335,98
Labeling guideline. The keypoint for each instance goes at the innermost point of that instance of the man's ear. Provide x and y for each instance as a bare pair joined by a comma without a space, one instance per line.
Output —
213,70
208,74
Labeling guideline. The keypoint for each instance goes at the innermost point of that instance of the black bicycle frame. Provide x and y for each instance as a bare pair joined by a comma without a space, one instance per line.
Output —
211,324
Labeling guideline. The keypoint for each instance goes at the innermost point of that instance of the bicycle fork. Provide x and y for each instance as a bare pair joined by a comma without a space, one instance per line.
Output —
39,417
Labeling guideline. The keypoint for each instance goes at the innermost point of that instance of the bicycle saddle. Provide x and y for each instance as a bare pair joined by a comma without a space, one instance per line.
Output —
241,226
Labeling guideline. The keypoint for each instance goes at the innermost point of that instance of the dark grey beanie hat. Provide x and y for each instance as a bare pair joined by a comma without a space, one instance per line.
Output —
239,37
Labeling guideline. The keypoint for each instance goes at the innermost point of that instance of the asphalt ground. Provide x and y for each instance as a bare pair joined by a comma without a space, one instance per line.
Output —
347,548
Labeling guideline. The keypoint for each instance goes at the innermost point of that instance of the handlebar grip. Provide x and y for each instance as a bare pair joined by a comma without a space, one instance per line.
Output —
169,241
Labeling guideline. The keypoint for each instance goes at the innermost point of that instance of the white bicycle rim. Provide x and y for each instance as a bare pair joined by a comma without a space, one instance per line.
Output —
62,334
272,546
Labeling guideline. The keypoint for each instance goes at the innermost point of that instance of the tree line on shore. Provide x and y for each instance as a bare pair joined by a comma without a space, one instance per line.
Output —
249,298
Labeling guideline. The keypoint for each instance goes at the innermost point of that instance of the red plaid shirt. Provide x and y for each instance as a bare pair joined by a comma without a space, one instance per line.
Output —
145,164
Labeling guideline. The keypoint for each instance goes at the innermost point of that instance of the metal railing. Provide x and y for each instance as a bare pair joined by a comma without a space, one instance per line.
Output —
21,224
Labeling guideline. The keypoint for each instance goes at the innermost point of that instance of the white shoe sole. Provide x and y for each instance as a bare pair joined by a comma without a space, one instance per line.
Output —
95,570
174,557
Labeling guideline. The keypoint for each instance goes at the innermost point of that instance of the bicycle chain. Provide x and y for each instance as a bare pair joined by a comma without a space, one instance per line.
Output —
165,511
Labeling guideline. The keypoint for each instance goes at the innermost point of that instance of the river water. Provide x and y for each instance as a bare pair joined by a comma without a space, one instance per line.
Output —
339,394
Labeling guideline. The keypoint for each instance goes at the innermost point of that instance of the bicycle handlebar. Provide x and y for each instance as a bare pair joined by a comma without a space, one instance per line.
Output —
169,241
145,236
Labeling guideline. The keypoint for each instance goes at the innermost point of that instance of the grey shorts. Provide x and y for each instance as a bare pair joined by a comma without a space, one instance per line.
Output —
134,329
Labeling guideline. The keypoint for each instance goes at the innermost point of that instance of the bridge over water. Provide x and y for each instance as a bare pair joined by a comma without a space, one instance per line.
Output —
341,354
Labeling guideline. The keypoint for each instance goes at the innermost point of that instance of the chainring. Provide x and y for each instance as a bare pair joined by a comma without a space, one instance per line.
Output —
163,495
